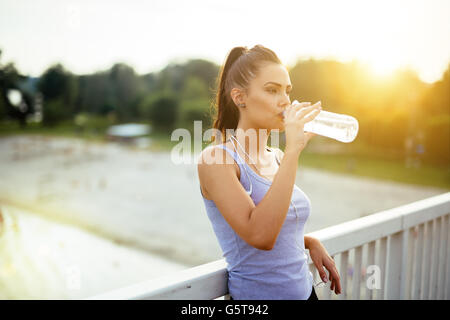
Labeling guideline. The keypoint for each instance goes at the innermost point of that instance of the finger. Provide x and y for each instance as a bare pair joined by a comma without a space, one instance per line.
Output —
308,114
311,111
338,284
336,287
300,109
299,105
294,107
322,273
311,116
333,282
306,106
335,274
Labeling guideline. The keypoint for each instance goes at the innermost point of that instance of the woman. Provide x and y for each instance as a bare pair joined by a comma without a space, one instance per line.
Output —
257,212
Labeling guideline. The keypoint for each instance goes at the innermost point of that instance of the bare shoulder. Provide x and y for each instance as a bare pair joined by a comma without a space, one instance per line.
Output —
214,155
216,159
215,165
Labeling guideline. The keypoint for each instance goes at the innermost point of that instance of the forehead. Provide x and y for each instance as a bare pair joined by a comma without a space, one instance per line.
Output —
273,72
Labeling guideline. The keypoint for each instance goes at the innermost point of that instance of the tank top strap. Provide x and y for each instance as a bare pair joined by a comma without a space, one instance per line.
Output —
241,163
233,153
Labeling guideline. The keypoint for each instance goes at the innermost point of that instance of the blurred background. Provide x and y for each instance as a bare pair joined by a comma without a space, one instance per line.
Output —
90,93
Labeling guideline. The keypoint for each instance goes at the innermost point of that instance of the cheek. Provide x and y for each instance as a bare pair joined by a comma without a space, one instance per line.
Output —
265,108
260,98
265,102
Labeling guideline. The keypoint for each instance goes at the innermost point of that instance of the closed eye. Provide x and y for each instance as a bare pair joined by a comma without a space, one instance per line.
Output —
272,90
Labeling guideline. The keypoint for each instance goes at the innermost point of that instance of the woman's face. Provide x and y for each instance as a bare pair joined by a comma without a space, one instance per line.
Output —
267,96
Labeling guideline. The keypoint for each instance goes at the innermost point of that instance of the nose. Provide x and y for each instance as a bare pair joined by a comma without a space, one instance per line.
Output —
286,101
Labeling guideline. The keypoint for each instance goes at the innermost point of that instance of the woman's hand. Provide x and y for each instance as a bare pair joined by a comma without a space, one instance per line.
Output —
294,121
321,259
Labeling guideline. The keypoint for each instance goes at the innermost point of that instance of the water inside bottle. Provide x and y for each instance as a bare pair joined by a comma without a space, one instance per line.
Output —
340,127
337,126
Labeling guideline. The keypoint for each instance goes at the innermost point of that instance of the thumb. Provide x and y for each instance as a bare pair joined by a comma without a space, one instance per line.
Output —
309,135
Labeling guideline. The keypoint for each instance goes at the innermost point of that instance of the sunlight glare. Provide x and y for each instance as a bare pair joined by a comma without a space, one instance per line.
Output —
382,69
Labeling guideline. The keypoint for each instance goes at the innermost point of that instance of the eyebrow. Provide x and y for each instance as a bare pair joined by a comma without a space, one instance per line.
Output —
277,84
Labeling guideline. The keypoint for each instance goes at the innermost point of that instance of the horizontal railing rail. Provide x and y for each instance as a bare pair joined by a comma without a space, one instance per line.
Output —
409,245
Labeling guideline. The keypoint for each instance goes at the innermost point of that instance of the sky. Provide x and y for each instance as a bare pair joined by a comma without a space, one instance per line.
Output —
89,36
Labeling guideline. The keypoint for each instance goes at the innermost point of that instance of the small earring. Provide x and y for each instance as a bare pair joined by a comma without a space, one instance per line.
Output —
242,105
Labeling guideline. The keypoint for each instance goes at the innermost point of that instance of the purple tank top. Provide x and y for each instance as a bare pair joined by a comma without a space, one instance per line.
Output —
280,273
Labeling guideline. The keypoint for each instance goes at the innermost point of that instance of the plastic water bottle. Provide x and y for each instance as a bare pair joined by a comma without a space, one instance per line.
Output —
337,126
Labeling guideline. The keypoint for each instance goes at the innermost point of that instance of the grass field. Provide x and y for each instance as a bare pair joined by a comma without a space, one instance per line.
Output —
391,170
361,160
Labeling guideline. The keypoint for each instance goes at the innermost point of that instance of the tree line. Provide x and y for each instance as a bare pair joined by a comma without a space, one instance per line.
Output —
394,113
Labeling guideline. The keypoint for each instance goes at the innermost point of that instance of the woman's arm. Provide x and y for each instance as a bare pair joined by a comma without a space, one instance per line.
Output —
309,241
270,213
321,260
259,225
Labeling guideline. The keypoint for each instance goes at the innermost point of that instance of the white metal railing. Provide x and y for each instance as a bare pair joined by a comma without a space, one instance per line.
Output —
407,247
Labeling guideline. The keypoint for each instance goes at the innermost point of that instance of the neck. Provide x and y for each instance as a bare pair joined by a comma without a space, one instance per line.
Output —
253,141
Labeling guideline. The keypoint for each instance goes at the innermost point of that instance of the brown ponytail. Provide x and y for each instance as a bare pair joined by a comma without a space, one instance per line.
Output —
241,66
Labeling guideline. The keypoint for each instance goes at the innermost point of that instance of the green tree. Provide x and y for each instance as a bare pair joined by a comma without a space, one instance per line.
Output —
161,109
95,92
60,89
174,76
10,79
3,111
435,115
126,88
54,112
205,71
195,102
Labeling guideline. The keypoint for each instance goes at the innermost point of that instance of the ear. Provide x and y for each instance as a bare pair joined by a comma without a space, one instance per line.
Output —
237,95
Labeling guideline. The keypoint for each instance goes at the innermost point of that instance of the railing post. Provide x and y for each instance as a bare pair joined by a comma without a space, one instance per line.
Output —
382,256
370,261
394,266
418,262
356,278
447,268
426,268
435,259
442,258
343,272
407,262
